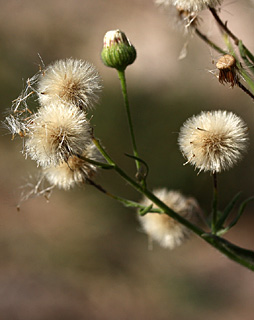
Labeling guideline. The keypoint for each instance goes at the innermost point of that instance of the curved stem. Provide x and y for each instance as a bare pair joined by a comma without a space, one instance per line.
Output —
147,193
244,257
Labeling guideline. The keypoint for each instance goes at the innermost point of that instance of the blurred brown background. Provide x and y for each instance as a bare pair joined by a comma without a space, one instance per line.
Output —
83,256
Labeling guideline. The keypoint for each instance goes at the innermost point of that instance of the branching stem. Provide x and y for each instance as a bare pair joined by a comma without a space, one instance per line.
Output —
235,253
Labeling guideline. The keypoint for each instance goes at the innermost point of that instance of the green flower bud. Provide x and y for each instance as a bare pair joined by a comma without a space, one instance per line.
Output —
117,50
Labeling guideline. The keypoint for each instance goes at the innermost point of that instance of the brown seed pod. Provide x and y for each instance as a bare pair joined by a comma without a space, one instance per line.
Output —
227,70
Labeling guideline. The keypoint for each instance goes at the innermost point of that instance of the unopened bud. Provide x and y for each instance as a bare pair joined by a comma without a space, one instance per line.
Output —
117,50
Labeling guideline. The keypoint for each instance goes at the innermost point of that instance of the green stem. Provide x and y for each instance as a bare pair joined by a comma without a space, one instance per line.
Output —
247,91
215,203
125,202
209,42
121,74
220,244
242,256
223,26
147,193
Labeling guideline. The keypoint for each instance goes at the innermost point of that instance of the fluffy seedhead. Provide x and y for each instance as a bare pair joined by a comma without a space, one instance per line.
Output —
213,141
71,81
56,132
160,227
75,171
190,5
179,17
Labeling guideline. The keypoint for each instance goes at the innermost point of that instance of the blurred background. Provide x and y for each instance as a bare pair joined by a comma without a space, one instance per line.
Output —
81,255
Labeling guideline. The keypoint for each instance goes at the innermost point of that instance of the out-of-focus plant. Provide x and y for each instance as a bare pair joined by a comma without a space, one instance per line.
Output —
60,138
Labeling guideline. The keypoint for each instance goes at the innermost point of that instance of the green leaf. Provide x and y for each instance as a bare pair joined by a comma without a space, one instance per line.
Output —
238,216
227,211
246,55
240,211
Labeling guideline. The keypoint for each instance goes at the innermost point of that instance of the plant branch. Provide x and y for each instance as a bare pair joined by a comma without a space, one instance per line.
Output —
121,75
209,42
224,26
125,202
237,254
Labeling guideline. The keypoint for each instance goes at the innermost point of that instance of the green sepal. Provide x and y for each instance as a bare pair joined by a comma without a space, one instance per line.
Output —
118,56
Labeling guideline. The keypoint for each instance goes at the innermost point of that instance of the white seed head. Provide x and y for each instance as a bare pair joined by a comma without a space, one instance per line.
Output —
75,171
190,5
213,141
56,132
164,229
71,81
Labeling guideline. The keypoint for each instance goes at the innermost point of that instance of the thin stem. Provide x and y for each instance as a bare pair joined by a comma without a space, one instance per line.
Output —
147,193
247,91
126,202
209,42
235,253
215,203
102,165
121,74
220,244
223,26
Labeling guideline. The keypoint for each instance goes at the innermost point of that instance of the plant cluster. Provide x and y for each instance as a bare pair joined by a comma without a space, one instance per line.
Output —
59,136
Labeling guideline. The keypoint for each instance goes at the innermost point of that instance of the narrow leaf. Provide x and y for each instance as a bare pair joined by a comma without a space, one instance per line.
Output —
227,211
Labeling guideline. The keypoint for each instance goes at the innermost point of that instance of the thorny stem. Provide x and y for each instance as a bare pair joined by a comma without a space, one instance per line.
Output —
215,203
220,244
121,75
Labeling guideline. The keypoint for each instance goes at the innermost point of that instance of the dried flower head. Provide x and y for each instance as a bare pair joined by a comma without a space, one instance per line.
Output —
228,70
75,170
188,18
16,125
162,228
180,19
56,132
213,141
117,50
71,81
190,5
